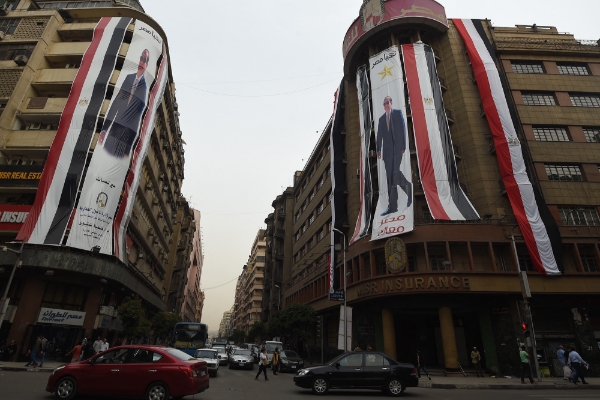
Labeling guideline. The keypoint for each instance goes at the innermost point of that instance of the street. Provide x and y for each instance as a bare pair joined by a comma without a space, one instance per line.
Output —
237,384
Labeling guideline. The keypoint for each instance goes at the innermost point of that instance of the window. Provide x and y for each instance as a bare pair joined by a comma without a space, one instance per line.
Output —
260,258
112,357
539,99
550,134
311,197
579,215
572,69
311,220
525,261
563,172
303,229
320,183
374,360
352,360
589,262
9,26
64,296
438,262
304,206
592,135
320,208
527,67
585,100
10,51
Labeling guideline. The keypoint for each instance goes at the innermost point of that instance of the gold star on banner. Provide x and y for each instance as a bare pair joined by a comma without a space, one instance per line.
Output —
386,72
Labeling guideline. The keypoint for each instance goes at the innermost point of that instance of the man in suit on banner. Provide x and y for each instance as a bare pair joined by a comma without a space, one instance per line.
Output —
391,145
123,118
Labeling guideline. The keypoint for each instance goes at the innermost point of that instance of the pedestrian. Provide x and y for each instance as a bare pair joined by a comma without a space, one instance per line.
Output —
560,355
421,364
577,363
275,361
119,342
75,353
263,363
97,345
525,369
357,348
10,351
369,348
476,359
105,345
34,352
43,350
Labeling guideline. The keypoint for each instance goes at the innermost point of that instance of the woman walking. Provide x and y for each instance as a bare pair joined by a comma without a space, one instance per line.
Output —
275,361
262,367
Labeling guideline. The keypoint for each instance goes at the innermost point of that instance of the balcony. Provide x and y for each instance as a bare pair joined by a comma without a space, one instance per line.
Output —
450,117
443,84
280,233
35,140
54,80
42,110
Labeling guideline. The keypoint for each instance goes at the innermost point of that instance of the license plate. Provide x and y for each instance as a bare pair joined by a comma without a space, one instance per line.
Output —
241,363
202,373
293,366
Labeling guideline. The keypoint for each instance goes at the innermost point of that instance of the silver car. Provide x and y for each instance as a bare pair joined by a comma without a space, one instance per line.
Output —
241,358
221,355
212,360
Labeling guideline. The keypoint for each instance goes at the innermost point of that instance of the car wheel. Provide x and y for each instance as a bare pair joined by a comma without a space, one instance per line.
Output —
394,387
157,391
320,385
66,388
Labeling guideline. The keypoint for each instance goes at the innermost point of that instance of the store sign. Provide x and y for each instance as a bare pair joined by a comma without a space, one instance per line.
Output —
12,216
20,175
434,283
61,317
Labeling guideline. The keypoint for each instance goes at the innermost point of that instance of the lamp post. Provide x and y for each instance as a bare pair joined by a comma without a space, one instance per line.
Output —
345,308
278,297
4,302
526,291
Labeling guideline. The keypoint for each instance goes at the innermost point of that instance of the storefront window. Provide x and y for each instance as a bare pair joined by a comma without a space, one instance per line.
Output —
65,297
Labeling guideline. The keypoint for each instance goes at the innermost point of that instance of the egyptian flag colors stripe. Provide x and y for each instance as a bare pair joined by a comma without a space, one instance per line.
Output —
338,185
538,228
57,191
363,222
132,181
435,152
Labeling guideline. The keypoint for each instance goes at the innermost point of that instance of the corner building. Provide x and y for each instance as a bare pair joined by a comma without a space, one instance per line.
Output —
460,287
42,45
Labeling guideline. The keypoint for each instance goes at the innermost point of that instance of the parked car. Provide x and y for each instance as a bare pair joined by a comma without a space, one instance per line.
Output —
221,355
151,372
254,349
359,370
210,356
241,358
289,360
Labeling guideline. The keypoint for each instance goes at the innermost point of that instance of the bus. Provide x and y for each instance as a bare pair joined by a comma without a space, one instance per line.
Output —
189,336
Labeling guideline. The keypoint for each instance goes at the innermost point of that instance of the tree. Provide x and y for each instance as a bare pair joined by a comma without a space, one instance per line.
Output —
294,319
163,324
259,330
131,312
238,336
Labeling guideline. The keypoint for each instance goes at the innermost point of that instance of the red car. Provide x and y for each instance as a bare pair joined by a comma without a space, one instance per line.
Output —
150,372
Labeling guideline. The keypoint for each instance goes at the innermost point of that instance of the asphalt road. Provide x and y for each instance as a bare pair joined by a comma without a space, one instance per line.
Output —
240,384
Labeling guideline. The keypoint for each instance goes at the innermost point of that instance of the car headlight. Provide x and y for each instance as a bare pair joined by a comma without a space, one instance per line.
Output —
284,361
302,372
58,369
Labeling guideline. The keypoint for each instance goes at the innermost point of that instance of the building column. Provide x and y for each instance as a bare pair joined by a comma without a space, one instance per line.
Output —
448,338
389,333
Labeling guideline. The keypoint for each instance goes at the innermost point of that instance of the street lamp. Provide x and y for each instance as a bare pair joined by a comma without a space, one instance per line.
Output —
4,302
278,297
345,308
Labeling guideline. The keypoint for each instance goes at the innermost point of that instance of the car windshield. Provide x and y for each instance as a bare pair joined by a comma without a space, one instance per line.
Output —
242,352
180,354
189,338
272,346
220,349
289,353
205,354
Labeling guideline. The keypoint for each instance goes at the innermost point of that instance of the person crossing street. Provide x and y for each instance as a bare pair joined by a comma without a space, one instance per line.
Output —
262,366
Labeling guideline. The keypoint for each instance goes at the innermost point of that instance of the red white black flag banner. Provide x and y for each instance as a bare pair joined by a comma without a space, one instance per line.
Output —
435,152
363,222
394,214
538,228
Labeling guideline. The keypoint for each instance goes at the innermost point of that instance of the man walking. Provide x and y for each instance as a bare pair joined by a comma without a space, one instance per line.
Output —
43,349
37,346
97,345
421,364
560,354
262,366
275,361
105,345
525,369
476,359
576,363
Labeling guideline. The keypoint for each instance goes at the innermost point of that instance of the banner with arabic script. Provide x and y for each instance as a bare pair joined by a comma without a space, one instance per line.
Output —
394,214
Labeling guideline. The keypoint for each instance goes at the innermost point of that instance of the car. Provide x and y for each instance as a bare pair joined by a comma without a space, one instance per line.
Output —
271,345
241,358
210,356
359,370
254,349
289,360
221,355
150,372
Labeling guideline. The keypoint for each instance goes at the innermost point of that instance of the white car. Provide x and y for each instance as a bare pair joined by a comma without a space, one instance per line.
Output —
221,355
212,360
271,345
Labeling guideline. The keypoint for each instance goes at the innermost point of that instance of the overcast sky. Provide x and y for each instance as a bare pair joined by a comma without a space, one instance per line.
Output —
255,83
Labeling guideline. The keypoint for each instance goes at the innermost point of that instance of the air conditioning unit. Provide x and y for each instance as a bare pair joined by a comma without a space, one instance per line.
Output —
21,60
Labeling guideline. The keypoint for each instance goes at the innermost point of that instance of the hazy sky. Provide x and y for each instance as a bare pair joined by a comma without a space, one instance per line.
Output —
255,83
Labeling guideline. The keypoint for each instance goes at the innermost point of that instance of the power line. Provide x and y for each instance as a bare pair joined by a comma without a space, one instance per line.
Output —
223,284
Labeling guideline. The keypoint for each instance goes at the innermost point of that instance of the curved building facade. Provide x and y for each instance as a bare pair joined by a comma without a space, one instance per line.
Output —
446,286
92,163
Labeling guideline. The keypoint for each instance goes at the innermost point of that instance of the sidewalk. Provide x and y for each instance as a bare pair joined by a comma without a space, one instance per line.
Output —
20,366
473,382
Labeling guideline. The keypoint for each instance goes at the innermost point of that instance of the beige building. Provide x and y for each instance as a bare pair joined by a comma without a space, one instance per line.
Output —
41,47
225,325
193,296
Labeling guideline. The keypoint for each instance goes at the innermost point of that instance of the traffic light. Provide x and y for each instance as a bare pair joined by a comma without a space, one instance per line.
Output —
526,331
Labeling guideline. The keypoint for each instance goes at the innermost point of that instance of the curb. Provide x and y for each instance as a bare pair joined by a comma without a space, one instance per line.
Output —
25,369
494,386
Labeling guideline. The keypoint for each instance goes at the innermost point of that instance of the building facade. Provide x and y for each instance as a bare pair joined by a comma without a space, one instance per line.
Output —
225,325
43,45
193,296
460,285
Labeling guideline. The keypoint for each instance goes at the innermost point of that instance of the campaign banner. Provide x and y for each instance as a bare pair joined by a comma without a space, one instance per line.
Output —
338,185
61,177
94,216
538,227
363,222
394,213
435,152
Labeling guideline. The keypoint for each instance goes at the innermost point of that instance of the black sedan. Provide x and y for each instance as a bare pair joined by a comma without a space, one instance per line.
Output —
289,360
359,370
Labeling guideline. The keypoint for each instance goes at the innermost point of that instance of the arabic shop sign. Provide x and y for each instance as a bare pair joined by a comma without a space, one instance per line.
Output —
415,284
20,175
12,217
61,317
